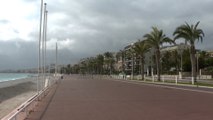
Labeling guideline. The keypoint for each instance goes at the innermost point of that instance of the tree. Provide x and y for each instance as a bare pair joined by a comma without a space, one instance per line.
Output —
109,60
100,63
155,39
140,48
191,34
92,65
169,60
203,58
82,66
75,69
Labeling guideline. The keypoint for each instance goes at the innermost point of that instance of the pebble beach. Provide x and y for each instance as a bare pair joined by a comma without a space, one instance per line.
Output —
14,94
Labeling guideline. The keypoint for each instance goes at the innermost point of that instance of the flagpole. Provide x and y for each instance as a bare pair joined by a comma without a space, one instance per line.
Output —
45,44
39,46
56,59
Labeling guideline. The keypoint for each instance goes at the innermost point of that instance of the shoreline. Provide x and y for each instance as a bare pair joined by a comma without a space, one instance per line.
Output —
8,83
15,76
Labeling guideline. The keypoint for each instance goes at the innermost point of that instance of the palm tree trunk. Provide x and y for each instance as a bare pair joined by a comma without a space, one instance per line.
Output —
158,62
193,62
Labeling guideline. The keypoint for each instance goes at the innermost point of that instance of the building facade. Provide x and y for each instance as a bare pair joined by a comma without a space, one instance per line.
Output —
132,62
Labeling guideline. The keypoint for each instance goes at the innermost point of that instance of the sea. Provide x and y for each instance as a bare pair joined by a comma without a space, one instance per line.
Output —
14,76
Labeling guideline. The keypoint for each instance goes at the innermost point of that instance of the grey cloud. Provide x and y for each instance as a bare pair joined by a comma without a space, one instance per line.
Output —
17,54
120,22
98,26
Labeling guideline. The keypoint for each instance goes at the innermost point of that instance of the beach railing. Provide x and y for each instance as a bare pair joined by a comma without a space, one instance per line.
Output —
27,107
23,110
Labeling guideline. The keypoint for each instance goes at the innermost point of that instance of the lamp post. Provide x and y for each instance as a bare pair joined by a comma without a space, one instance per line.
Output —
180,49
132,73
152,51
198,55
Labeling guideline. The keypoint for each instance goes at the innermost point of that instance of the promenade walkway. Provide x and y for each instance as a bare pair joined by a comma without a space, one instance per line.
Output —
78,98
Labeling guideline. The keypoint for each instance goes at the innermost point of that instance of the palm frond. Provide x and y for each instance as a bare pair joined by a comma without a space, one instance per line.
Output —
196,25
189,33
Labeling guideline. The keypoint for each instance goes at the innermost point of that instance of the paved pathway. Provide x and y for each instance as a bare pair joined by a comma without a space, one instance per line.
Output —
94,99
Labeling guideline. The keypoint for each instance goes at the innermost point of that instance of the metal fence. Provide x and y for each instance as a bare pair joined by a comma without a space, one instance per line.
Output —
173,79
27,107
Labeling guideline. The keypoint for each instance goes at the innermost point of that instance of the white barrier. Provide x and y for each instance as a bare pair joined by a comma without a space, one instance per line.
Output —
24,110
165,79
193,81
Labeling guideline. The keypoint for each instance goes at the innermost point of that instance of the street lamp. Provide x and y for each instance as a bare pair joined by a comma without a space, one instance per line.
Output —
198,55
132,73
180,49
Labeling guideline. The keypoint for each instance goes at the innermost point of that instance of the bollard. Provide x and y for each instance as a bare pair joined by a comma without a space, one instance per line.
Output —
152,72
176,79
147,72
193,82
153,78
163,79
180,75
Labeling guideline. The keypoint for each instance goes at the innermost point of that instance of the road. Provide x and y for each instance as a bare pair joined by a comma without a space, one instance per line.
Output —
81,98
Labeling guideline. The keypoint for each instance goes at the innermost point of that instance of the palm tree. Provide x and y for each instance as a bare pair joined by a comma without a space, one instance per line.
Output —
91,65
109,60
100,63
190,34
140,48
155,39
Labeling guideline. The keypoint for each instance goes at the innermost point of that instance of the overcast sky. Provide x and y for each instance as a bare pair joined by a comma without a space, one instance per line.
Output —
86,28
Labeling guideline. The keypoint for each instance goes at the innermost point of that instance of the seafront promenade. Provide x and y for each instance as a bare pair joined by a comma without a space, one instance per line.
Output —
87,98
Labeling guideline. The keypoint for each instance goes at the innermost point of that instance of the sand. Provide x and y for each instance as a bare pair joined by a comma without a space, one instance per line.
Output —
13,96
